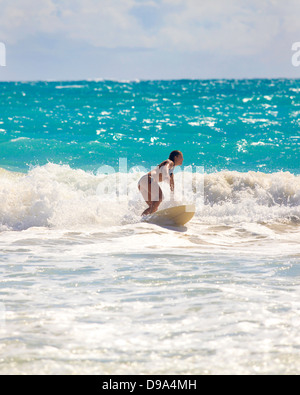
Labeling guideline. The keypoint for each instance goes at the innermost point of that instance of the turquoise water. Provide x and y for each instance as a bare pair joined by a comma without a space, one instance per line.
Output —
86,287
234,125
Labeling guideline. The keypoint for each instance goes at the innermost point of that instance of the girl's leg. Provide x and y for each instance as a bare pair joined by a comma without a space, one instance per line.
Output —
152,194
153,205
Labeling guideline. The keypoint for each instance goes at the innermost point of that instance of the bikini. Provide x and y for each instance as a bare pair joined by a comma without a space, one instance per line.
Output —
150,178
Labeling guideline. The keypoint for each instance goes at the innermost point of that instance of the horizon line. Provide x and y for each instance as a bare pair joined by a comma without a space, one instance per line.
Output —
138,80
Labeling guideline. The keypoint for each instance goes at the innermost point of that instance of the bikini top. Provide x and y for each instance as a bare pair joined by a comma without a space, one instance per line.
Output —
164,171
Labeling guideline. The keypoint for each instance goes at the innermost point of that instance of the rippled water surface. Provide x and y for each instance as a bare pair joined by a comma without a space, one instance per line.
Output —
87,287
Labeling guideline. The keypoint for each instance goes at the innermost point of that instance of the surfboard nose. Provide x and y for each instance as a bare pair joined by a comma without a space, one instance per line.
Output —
190,208
174,216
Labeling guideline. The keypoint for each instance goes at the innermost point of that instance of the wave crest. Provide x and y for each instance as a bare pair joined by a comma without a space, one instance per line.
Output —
58,196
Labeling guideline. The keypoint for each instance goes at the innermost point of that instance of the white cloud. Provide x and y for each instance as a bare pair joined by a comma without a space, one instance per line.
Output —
242,27
19,19
237,27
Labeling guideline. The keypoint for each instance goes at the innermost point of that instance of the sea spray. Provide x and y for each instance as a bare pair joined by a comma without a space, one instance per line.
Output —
58,196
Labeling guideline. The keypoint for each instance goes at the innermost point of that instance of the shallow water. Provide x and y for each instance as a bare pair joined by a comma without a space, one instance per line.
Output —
76,302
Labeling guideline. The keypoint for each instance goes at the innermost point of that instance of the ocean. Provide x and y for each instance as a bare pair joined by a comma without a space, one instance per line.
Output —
87,287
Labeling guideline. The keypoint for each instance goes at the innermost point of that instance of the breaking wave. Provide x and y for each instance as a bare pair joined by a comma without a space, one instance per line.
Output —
61,197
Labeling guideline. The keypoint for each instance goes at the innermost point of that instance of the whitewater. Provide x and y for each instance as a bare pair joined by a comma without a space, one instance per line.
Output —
86,287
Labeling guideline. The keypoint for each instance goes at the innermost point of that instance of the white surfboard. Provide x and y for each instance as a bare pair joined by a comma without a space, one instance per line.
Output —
174,216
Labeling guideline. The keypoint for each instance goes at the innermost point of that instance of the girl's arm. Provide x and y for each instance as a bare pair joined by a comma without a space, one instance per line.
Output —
172,185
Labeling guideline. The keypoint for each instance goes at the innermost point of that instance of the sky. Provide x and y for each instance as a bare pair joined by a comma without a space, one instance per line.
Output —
148,39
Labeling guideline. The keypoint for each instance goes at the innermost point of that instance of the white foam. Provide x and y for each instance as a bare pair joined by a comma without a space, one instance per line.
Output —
71,86
58,196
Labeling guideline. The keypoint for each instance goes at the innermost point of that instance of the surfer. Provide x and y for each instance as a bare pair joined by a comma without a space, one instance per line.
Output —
148,184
